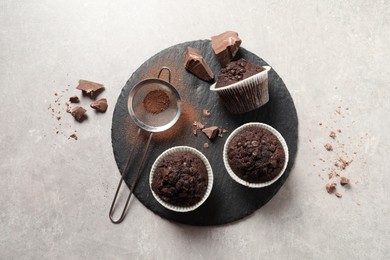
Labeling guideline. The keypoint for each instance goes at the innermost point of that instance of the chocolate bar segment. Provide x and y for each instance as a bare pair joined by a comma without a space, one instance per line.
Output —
225,46
90,88
100,105
195,63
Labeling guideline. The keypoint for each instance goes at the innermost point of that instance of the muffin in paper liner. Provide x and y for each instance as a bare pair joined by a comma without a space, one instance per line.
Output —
210,178
245,95
231,172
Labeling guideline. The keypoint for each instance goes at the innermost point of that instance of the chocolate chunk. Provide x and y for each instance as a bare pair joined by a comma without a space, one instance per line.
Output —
90,88
338,195
195,63
330,187
211,132
74,136
225,46
156,101
100,105
344,181
332,134
78,113
74,99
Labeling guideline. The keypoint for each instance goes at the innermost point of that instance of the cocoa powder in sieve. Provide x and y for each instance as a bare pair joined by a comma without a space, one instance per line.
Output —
156,101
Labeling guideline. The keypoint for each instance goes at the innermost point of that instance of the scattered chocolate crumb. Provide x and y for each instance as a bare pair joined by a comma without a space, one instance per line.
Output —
74,136
344,181
206,112
199,125
344,163
339,130
205,145
57,132
338,110
90,88
55,94
58,117
74,99
195,132
78,113
332,134
330,187
338,195
100,105
211,132
320,123
328,147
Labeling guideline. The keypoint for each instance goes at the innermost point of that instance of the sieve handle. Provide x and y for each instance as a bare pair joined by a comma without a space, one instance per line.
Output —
134,182
169,73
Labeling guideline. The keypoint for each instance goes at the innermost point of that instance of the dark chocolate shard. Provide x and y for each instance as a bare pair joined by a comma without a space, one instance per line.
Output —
211,132
344,181
74,99
78,113
100,105
225,46
90,88
195,63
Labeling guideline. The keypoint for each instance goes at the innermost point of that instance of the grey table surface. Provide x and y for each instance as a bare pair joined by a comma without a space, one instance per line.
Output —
55,192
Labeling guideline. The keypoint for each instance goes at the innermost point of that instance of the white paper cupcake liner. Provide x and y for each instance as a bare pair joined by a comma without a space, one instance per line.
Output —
209,174
231,172
245,95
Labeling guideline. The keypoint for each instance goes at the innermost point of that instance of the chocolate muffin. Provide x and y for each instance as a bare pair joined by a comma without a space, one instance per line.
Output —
242,86
180,178
236,71
255,154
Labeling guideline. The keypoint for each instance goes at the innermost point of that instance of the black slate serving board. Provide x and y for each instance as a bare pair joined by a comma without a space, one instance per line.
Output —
228,201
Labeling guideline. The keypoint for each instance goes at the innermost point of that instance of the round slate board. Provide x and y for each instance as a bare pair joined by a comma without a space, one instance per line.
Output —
228,201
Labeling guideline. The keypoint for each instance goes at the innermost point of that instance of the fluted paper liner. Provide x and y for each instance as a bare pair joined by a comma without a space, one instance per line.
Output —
245,95
226,161
209,176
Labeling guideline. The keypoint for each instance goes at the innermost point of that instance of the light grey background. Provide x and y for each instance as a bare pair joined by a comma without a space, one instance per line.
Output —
55,193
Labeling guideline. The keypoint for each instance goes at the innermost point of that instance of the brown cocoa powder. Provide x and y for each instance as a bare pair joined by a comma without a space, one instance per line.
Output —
156,101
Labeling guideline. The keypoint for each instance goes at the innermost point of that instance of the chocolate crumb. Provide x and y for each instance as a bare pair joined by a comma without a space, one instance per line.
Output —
330,187
211,132
199,125
332,134
58,117
339,130
195,132
100,105
344,181
74,99
205,145
74,136
338,195
328,147
206,113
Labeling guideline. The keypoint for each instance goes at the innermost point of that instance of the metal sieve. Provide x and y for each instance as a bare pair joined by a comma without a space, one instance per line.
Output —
148,122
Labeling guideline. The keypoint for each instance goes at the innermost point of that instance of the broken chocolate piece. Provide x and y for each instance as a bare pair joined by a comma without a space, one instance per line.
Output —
206,112
330,187
78,113
225,46
211,132
74,136
195,63
74,99
344,181
90,88
338,195
100,105
332,134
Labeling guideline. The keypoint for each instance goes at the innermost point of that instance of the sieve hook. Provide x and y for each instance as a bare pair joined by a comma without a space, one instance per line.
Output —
169,73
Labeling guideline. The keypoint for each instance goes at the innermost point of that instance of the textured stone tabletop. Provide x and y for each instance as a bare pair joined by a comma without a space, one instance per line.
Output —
55,192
